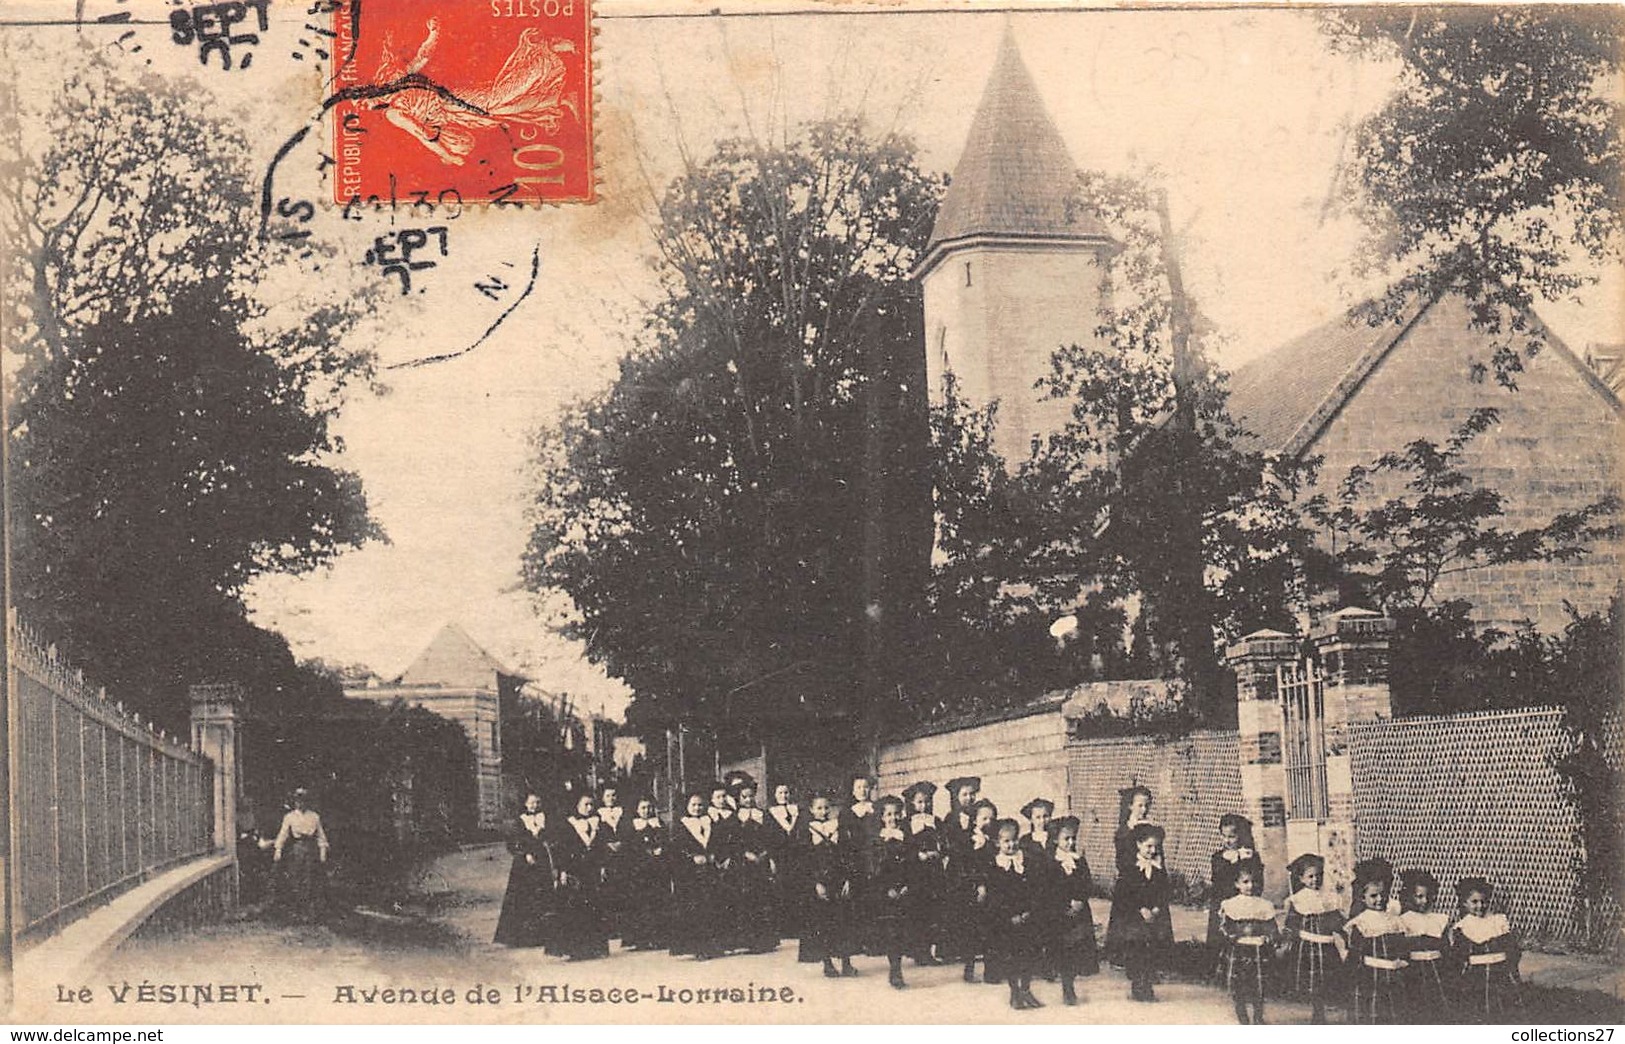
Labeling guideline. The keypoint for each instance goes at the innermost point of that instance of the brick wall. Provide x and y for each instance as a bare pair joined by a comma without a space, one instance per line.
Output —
1195,779
1018,759
1557,447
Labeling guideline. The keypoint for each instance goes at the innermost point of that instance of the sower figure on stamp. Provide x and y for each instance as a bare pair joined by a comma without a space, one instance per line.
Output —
1427,995
582,930
301,853
527,904
1072,923
648,880
827,856
1142,930
928,869
751,870
889,901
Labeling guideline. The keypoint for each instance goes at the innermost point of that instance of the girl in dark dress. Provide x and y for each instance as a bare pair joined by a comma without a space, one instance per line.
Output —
750,870
1235,853
648,879
1377,947
1313,926
956,829
1142,931
527,903
784,819
1072,923
696,879
1427,997
1016,887
1038,841
827,856
928,879
889,899
1247,923
1487,951
582,930
973,859
1134,808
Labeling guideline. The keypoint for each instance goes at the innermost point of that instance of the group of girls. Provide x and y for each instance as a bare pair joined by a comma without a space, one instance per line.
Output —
889,878
1393,958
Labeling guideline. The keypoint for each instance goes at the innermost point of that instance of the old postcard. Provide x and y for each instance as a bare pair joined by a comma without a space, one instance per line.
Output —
639,511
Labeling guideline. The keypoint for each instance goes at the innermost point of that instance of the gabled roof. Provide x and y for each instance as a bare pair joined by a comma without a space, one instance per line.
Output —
1015,175
454,660
1286,397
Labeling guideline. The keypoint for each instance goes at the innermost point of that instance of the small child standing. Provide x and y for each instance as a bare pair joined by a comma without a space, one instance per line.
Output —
1488,950
1142,928
1313,927
1072,931
1014,893
1426,996
1247,922
1377,947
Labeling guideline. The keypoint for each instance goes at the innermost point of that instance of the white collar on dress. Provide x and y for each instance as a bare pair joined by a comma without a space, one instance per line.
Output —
1483,929
1248,908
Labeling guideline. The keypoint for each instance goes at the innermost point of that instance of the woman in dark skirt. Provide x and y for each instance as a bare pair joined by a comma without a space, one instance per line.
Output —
828,858
975,860
528,902
696,877
581,847
648,879
1072,925
300,852
928,880
1134,808
889,900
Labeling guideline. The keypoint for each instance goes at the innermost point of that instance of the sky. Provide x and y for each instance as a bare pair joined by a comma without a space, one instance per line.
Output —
1244,111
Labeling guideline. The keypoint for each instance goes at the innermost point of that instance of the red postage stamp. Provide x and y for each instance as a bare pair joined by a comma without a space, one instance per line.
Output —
468,101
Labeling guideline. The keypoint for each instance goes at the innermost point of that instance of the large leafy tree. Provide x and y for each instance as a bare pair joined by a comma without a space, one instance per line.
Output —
729,508
1494,168
169,430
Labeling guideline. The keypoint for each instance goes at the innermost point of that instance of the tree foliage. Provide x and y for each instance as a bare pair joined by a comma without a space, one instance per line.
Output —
1146,511
718,513
170,429
1495,167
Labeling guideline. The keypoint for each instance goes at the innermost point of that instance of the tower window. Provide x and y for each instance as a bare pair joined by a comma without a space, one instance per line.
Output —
967,273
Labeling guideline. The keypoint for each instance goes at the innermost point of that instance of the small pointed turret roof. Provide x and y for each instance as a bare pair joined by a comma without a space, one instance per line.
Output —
1014,177
454,660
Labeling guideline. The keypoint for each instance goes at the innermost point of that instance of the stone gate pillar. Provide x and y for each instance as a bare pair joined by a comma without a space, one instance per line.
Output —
214,733
1351,646
1259,723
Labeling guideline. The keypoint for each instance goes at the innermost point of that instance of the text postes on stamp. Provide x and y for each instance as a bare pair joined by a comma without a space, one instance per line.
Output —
472,101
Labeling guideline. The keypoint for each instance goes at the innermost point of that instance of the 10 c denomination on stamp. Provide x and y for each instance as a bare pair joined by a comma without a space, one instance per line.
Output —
467,101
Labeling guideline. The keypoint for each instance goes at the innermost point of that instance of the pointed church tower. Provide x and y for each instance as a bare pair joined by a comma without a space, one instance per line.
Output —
1007,277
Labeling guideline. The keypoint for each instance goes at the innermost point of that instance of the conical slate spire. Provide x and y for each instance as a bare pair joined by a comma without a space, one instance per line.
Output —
1015,174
